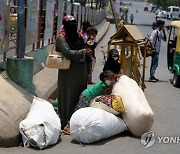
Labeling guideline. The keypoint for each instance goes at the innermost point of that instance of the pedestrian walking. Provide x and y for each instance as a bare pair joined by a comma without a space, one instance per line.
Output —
157,35
73,81
132,18
154,24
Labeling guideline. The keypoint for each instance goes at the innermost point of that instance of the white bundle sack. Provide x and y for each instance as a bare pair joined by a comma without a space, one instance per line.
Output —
139,116
90,124
42,125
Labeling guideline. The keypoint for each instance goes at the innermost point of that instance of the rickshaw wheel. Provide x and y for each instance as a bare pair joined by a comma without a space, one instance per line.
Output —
176,80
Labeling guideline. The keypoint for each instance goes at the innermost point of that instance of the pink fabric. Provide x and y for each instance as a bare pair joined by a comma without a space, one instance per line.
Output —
68,18
62,31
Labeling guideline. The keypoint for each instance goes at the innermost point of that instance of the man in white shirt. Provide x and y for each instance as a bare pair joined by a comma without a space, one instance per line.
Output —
157,35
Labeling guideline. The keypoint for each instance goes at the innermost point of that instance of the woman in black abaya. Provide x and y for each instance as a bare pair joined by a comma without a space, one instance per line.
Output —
73,81
113,63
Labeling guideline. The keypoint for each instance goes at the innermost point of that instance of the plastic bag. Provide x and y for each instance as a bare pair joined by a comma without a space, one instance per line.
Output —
42,125
89,125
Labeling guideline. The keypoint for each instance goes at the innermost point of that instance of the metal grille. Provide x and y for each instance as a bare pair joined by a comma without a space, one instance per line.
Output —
35,38
4,43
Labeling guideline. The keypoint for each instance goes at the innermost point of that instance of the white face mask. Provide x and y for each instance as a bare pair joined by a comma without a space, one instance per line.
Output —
115,58
108,82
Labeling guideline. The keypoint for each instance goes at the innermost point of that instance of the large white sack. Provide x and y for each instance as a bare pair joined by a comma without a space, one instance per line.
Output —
139,116
90,124
42,125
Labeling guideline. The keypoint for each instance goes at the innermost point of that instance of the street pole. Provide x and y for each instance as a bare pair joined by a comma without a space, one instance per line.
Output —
72,8
100,5
91,4
97,1
84,2
114,15
21,29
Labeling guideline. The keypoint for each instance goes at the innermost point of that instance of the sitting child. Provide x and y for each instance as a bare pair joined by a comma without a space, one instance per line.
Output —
104,87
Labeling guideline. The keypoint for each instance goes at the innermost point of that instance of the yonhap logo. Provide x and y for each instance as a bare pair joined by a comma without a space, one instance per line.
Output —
148,139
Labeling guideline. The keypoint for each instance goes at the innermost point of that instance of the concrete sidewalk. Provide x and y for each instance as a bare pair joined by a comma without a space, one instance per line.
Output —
15,101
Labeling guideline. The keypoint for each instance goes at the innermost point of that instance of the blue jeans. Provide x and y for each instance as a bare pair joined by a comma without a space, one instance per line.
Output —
154,63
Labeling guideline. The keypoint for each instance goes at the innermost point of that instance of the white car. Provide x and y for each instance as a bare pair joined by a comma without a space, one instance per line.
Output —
162,14
157,11
78,4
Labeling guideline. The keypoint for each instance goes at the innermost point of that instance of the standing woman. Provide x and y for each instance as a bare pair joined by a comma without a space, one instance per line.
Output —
112,63
73,81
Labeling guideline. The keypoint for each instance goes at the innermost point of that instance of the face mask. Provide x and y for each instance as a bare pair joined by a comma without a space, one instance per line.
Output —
108,82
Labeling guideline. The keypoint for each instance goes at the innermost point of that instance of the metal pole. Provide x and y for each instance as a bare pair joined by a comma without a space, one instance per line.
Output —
97,1
84,2
72,8
100,5
91,4
21,29
113,12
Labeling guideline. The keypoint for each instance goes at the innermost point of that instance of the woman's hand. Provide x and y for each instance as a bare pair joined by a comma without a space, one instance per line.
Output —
87,51
108,90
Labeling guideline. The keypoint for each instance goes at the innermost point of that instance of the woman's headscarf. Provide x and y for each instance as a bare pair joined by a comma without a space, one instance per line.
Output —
112,64
74,40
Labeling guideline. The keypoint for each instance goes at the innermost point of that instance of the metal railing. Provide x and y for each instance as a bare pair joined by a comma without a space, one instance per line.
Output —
81,13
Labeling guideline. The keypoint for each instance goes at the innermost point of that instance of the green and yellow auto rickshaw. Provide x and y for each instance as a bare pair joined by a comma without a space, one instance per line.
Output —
173,52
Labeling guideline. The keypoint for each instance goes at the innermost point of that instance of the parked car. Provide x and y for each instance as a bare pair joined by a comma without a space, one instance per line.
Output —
162,14
76,3
157,11
173,12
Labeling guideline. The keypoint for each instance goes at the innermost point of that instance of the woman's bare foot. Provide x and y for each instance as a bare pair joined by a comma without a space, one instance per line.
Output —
66,130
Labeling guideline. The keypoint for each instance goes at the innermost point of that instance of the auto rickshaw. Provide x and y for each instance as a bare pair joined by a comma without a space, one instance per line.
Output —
173,52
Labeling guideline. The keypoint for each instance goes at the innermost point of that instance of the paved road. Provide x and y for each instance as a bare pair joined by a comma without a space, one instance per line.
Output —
162,96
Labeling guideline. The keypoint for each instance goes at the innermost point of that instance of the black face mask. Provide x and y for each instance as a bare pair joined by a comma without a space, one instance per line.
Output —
74,27
72,37
71,27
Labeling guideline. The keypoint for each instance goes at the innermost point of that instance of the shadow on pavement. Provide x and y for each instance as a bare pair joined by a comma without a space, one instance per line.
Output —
104,141
48,147
156,81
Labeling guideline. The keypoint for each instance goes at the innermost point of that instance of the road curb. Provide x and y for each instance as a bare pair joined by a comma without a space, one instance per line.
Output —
103,32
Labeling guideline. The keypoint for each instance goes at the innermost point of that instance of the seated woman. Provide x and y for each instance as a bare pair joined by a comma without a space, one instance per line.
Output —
113,63
104,87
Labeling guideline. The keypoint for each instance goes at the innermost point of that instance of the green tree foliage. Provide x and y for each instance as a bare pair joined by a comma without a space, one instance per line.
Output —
165,3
